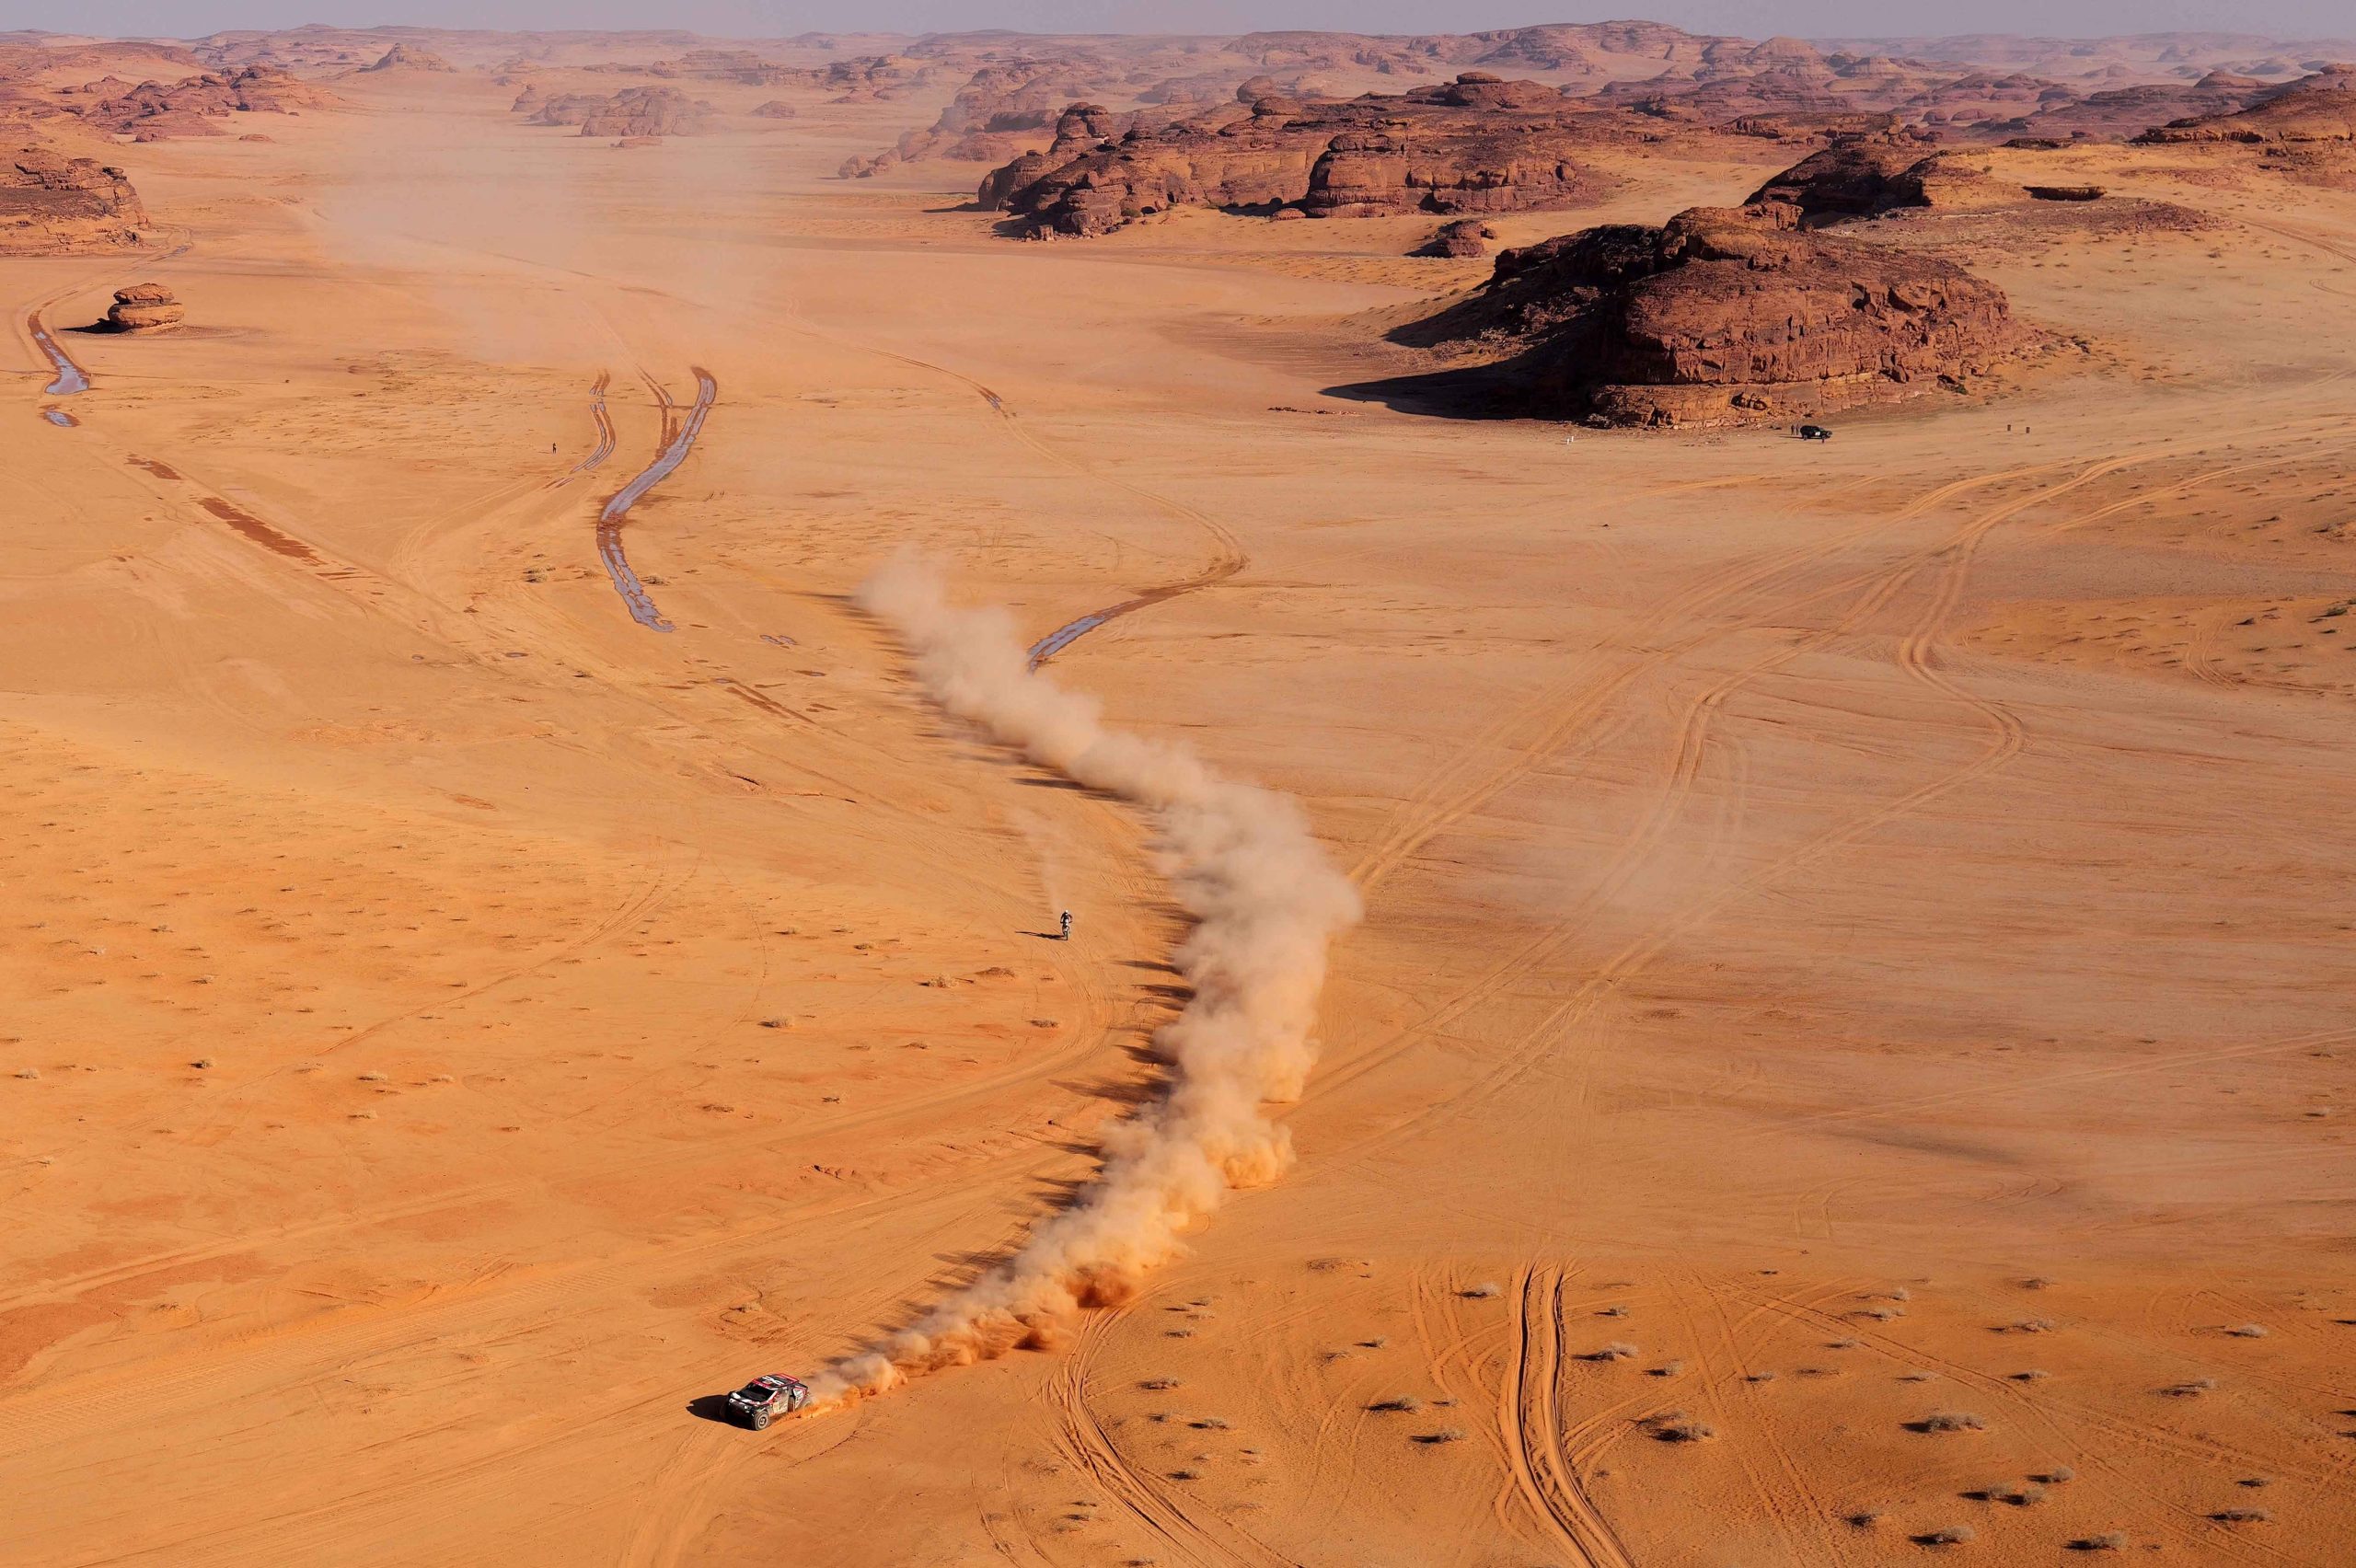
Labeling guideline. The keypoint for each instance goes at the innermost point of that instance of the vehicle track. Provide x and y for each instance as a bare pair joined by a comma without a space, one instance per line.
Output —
1529,1415
1082,1440
605,423
1627,861
71,378
678,439
2037,1410
1228,553
1471,779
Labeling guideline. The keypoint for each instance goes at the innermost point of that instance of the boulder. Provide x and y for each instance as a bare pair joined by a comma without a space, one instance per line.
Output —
1462,238
145,308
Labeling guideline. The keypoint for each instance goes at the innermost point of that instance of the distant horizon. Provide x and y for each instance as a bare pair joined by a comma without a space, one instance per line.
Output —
1817,21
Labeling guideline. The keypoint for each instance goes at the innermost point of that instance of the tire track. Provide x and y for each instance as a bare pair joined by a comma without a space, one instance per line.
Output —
678,439
605,423
1206,1538
1627,861
1529,1415
1462,786
1228,553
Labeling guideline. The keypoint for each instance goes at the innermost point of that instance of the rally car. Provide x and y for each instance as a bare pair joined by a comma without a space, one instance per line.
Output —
762,1398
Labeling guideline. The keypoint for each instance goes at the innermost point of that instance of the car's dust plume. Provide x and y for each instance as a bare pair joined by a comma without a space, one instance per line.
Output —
1266,904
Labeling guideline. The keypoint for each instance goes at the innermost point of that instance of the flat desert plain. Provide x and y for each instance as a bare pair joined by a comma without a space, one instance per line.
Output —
1847,1049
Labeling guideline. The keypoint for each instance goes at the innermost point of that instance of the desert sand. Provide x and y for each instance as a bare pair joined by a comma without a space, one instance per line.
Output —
1847,1041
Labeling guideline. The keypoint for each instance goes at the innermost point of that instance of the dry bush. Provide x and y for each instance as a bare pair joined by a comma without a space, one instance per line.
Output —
1950,1421
1951,1535
2109,1541
1483,1292
1675,1427
2242,1516
2190,1389
2248,1331
1406,1404
1445,1434
1617,1350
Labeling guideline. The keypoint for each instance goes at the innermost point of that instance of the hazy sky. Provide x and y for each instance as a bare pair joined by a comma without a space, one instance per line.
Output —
1755,18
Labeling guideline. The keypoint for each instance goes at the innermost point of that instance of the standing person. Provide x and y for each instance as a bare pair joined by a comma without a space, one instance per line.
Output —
1067,936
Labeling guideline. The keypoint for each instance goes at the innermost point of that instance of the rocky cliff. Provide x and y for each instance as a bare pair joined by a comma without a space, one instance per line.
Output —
57,206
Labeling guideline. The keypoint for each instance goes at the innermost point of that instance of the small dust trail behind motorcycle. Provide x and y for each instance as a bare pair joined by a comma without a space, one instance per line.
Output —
1266,904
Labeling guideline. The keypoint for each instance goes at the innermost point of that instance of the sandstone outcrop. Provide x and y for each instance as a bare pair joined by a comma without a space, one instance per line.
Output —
2316,108
634,111
1462,238
776,108
402,57
1080,128
155,111
1721,316
1855,178
57,206
145,308
741,65
1473,144
2118,113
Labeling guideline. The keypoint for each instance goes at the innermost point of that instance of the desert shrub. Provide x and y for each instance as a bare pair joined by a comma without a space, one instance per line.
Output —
1951,1420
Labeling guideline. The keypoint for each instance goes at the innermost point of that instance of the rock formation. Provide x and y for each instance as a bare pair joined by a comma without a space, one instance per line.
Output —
2317,108
776,108
402,57
1079,129
144,307
634,111
155,111
741,65
1855,178
1475,145
1463,238
1720,315
56,206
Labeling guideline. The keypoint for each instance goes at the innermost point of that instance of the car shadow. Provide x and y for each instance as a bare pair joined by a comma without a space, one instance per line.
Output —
711,1407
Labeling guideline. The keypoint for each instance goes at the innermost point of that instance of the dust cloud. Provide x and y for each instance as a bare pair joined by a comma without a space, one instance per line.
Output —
1267,905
